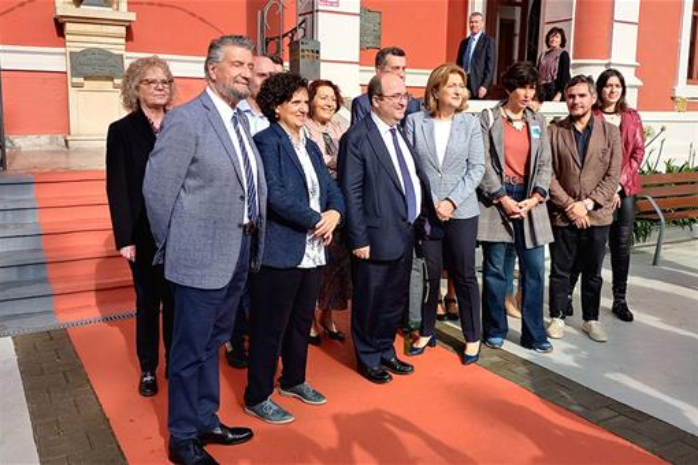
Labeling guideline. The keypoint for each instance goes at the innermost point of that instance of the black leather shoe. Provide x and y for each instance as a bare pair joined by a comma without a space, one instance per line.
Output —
227,435
397,366
189,452
314,340
148,386
237,357
375,375
621,310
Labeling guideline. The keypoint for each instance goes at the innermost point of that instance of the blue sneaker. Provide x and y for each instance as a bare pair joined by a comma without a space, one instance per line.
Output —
270,412
494,342
544,347
305,393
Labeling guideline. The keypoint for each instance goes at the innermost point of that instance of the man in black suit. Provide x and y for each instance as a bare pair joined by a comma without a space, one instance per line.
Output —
388,60
385,191
476,57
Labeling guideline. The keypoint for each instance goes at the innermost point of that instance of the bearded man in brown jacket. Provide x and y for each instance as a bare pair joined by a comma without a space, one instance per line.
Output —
587,156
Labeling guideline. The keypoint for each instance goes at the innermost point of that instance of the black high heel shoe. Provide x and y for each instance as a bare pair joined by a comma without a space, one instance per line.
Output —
314,340
335,335
414,351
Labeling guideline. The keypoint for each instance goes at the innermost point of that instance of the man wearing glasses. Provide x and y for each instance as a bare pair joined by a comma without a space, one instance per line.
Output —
385,191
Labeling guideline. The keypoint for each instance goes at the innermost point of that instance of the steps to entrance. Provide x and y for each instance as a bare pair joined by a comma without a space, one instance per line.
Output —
58,261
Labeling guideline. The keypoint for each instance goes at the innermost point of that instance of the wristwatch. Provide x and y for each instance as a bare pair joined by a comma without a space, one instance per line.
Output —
589,204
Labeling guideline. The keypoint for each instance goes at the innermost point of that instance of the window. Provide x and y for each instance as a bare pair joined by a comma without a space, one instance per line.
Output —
693,48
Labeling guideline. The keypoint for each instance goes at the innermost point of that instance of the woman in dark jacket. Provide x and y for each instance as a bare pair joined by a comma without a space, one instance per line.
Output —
304,208
146,92
554,66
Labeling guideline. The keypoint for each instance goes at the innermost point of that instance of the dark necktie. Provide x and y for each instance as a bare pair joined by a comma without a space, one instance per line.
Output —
468,54
410,195
251,194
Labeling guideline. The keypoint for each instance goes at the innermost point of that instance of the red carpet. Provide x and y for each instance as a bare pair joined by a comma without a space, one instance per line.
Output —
444,413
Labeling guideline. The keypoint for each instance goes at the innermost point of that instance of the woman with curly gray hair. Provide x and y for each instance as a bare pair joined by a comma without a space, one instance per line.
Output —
147,92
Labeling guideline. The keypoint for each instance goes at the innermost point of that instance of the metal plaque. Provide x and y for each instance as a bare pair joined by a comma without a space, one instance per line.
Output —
98,3
370,28
96,63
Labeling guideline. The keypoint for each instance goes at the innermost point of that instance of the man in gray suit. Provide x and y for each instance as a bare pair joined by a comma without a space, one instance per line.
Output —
205,197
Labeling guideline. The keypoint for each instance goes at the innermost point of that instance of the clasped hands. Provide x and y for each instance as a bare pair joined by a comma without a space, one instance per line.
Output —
326,226
578,214
517,210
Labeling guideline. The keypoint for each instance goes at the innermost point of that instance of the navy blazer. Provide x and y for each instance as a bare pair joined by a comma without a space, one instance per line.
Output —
376,208
289,216
361,108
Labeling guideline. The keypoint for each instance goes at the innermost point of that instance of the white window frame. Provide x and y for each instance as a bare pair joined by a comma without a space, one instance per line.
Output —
683,88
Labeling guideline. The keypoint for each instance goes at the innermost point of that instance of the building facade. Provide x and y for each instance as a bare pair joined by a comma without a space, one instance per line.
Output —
46,102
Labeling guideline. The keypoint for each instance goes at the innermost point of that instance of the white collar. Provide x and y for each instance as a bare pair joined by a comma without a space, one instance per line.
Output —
476,36
225,110
245,107
382,125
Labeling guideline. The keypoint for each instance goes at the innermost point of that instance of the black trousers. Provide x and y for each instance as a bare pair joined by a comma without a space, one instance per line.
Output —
152,291
585,248
283,305
458,247
380,296
619,241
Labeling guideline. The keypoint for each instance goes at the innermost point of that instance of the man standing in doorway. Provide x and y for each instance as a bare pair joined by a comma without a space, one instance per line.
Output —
587,156
476,57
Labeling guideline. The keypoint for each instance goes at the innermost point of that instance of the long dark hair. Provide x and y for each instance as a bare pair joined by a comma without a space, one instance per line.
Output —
621,104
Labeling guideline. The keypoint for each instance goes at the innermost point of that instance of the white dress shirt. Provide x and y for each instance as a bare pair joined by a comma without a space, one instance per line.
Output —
258,122
226,113
442,131
385,133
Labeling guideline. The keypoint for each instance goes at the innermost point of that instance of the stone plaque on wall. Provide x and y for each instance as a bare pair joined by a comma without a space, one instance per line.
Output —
96,63
370,29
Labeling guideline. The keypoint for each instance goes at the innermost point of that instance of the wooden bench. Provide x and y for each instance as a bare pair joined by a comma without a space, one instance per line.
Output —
667,197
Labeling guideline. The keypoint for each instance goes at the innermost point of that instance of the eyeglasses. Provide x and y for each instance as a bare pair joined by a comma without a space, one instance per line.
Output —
157,82
395,97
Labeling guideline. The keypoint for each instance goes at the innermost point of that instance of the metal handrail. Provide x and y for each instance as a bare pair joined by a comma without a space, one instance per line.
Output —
662,227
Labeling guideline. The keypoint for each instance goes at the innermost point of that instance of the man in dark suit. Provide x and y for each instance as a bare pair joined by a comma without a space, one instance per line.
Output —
476,57
388,60
385,191
206,201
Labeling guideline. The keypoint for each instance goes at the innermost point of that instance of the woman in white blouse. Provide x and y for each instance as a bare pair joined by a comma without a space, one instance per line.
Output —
449,142
304,206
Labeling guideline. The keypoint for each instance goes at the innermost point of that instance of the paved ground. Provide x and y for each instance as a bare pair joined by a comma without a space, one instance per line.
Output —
646,373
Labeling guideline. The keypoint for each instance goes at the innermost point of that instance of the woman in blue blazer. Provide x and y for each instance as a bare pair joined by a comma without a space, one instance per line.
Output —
449,143
304,208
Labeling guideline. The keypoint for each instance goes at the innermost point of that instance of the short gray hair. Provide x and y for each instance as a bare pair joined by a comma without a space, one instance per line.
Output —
215,49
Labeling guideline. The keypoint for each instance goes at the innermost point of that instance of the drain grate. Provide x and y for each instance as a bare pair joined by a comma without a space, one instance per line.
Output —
67,325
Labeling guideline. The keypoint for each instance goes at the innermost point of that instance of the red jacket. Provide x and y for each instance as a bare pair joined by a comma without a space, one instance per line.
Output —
633,139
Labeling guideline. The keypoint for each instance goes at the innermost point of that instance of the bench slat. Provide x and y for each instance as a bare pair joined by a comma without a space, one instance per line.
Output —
671,191
668,203
681,215
672,178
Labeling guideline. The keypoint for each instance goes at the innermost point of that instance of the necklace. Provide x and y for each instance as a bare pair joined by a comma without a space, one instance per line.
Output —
517,124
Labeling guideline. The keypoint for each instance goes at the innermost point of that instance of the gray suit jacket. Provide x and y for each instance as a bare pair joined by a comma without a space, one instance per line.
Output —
494,225
195,198
463,165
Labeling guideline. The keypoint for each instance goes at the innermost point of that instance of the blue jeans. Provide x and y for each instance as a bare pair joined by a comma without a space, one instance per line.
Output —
532,266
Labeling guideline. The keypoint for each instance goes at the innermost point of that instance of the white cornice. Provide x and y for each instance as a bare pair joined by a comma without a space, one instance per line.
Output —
21,58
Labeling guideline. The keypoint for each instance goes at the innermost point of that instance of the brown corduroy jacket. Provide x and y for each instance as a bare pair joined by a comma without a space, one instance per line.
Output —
597,179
